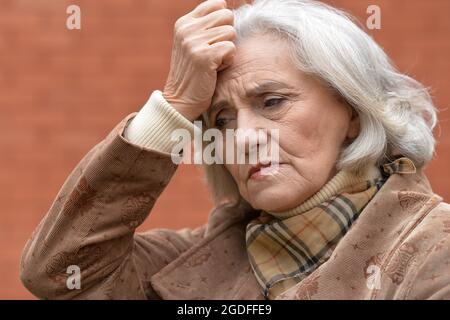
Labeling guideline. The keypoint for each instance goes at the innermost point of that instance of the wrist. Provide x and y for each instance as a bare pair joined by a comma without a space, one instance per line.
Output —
186,110
155,124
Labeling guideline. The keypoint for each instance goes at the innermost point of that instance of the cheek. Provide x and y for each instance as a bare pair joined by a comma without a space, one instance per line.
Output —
313,128
300,133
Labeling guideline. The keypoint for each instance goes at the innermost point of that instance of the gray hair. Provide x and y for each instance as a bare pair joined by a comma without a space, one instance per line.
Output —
396,112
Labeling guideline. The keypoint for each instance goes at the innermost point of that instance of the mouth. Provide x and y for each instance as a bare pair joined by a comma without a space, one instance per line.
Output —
261,170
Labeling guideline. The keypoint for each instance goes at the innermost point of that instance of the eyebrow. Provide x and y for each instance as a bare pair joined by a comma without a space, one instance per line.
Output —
261,88
266,86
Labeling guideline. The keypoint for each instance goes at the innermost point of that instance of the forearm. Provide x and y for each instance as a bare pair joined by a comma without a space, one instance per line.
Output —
92,220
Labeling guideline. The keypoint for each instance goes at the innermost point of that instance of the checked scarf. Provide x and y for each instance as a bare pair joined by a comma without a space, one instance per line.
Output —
283,249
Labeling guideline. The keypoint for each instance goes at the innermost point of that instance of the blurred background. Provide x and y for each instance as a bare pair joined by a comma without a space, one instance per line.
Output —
62,91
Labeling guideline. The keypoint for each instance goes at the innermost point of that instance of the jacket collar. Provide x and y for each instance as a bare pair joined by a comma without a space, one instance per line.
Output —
376,238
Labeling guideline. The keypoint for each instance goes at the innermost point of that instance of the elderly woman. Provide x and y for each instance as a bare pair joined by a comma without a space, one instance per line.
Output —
345,212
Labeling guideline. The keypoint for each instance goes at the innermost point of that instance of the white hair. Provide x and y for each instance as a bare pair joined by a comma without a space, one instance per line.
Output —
396,113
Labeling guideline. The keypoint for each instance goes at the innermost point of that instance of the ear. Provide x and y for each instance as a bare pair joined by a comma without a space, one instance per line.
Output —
354,125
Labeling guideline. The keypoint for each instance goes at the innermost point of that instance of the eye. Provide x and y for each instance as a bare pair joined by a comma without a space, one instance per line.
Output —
223,118
272,102
220,123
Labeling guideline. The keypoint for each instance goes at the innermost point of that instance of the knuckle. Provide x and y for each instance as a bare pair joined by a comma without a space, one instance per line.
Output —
178,33
230,30
182,32
230,46
228,14
179,23
182,27
198,57
219,3
187,45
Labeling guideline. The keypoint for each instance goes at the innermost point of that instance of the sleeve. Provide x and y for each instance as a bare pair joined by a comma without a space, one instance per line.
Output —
91,225
154,124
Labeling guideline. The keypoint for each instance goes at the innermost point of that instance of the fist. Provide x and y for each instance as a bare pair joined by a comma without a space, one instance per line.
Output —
202,46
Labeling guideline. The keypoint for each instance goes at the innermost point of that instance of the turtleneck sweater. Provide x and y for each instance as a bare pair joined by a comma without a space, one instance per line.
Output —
338,184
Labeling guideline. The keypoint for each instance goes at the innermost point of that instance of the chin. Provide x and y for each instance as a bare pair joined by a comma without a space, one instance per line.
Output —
278,192
273,199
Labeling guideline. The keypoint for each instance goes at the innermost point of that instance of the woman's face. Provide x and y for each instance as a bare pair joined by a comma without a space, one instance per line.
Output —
262,89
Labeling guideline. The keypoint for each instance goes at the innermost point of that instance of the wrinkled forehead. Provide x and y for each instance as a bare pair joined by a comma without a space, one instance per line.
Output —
260,58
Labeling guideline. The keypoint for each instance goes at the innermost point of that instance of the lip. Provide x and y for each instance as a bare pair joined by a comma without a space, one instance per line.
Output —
255,170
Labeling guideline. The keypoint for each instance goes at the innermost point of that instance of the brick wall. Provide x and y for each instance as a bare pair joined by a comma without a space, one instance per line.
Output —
62,91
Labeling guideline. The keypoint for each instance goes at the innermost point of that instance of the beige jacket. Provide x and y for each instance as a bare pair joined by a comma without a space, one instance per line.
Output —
399,247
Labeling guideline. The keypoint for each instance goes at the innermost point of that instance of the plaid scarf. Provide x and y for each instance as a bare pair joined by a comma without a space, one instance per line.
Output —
285,248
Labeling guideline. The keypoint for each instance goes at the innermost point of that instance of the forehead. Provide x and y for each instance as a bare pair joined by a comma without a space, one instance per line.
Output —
259,58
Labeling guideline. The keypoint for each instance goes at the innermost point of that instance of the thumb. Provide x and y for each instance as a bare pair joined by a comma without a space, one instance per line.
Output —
224,52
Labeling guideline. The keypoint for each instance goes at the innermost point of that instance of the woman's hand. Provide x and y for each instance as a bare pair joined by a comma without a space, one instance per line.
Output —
202,46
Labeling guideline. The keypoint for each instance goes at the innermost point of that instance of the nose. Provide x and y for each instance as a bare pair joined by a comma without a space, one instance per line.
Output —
246,119
250,137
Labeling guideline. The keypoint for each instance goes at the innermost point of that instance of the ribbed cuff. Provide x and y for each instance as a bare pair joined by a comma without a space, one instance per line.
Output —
153,125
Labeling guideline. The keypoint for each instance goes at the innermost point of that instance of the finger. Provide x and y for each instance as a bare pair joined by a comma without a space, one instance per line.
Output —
224,53
207,7
223,66
217,18
216,34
